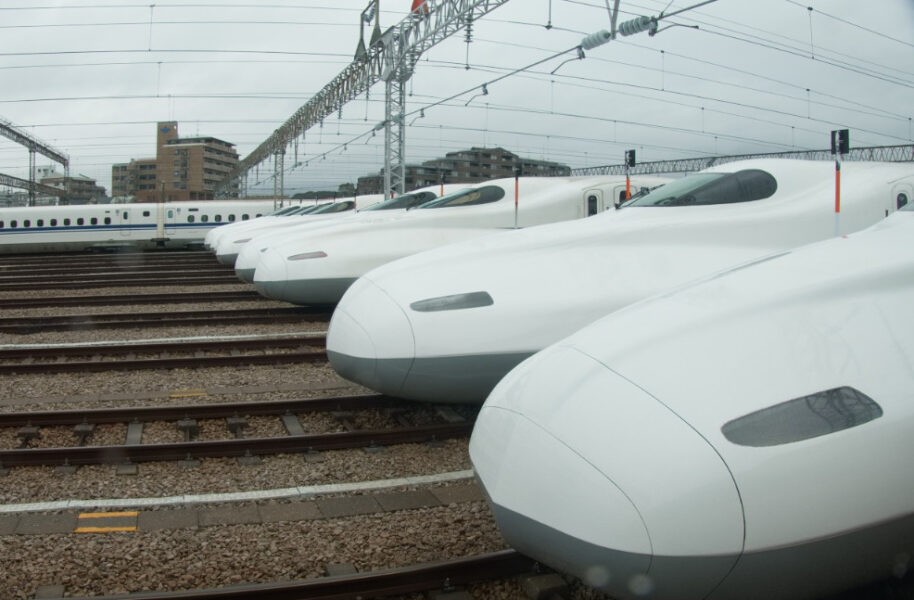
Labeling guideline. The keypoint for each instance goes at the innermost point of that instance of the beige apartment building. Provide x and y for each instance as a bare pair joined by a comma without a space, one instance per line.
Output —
183,169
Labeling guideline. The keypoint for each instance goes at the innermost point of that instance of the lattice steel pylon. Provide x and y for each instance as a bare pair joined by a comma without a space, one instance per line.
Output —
390,57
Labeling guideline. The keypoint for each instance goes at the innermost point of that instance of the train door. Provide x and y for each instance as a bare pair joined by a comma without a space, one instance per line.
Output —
123,215
172,215
902,195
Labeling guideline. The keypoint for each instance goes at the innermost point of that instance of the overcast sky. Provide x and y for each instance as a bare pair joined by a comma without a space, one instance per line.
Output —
92,77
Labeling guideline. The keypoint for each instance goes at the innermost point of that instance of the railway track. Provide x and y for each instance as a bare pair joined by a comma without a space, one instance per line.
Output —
194,353
25,325
132,299
186,420
413,579
119,280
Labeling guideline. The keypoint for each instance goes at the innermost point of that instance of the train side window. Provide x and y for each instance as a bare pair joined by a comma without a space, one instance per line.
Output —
231,218
258,215
171,214
66,222
803,418
190,218
27,223
40,223
93,221
53,222
204,218
125,215
80,221
14,223
245,217
107,220
218,218
146,213
1,224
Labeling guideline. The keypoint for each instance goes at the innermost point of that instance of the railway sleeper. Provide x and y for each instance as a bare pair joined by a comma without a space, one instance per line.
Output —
189,427
83,431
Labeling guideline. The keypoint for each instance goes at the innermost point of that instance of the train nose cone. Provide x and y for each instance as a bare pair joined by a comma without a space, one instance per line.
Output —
591,475
370,339
270,275
246,263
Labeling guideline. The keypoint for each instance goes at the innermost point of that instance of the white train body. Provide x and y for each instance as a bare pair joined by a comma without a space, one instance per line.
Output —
249,255
139,225
745,437
447,324
213,235
319,268
228,246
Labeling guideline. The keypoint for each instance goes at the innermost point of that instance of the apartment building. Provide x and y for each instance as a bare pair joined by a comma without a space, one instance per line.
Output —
183,169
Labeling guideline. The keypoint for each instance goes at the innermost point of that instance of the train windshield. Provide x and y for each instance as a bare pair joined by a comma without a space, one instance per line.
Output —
470,197
284,211
404,201
704,189
335,207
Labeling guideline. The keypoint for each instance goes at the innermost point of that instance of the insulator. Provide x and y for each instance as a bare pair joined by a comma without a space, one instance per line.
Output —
636,25
596,39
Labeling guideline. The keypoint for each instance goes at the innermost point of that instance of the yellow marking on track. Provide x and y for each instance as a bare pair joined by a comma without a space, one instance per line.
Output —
190,393
103,529
103,515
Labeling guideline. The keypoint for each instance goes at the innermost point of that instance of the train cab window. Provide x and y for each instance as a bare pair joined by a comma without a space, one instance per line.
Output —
231,218
803,418
204,218
107,220
405,201
336,207
470,197
93,221
80,221
190,218
39,223
27,223
145,213
705,189
53,222
901,200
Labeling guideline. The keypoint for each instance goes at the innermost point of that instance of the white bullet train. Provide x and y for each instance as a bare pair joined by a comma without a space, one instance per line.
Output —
746,437
249,255
229,246
81,227
446,325
319,269
213,235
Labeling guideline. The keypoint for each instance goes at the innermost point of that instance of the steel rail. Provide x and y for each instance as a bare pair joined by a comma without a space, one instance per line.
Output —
228,278
413,579
158,272
162,319
91,257
29,354
102,268
196,411
107,300
292,444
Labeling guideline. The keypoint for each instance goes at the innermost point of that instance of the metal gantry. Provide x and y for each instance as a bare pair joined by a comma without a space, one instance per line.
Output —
901,153
32,186
34,146
390,57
